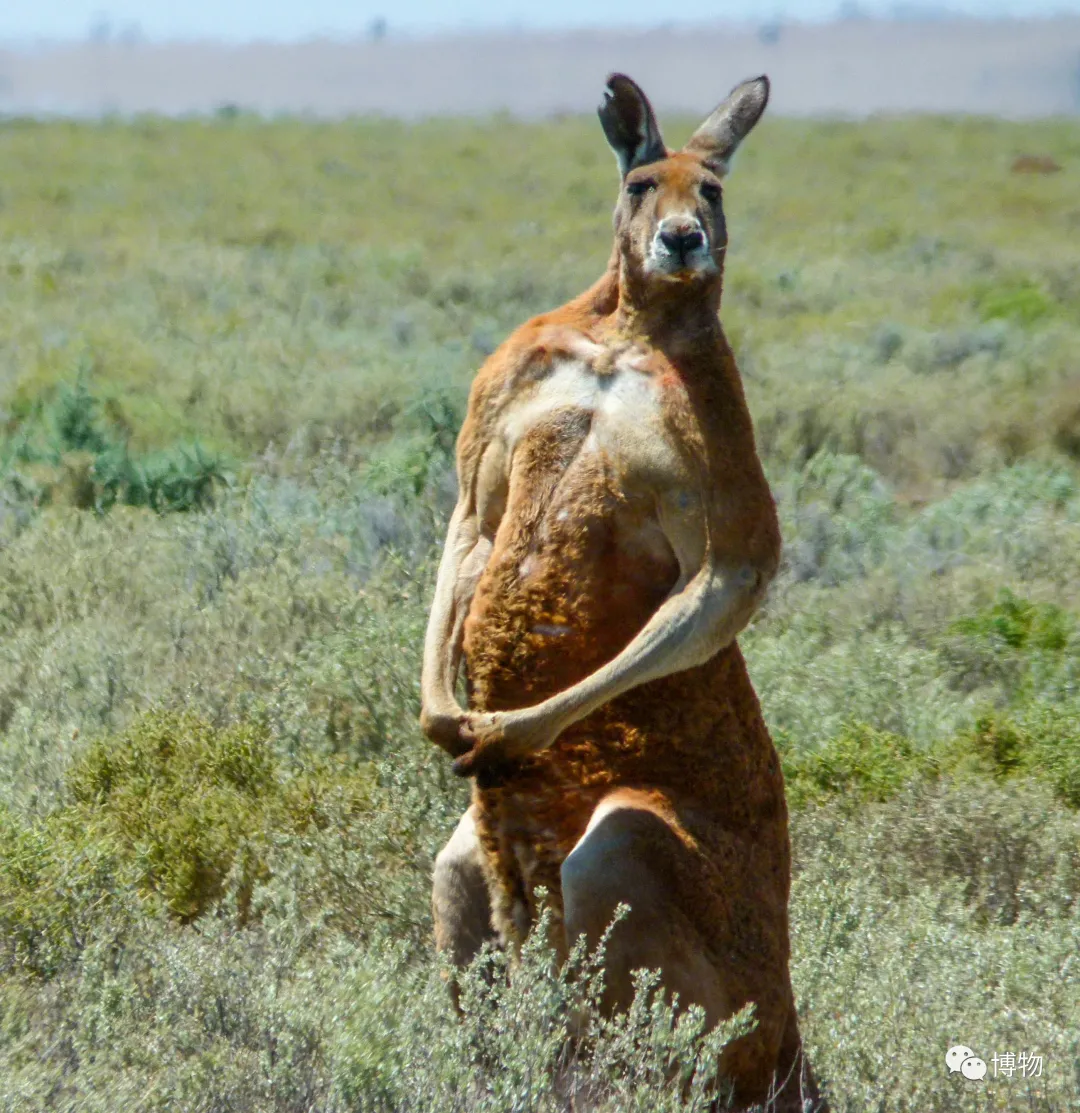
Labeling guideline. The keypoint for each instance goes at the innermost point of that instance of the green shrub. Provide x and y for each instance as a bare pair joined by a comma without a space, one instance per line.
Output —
1019,624
60,890
186,803
1022,301
67,451
995,746
860,764
1025,650
172,812
1041,741
1055,750
183,478
76,420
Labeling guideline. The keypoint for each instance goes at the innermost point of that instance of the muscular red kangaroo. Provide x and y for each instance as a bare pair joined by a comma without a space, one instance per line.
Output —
614,533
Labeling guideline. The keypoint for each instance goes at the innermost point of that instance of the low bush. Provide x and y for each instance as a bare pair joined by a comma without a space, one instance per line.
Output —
862,764
170,812
946,915
1020,300
528,1039
1042,742
65,451
858,765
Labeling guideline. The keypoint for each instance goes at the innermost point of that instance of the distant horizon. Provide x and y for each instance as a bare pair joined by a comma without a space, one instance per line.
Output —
45,23
1017,69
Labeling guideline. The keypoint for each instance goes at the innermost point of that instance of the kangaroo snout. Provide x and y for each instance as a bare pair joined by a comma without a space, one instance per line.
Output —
682,240
679,246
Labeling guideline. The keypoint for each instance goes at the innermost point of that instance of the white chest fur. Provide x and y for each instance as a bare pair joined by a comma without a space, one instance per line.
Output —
624,403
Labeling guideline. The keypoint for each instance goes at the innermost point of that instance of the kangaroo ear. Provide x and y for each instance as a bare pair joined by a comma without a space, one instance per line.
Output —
730,123
630,124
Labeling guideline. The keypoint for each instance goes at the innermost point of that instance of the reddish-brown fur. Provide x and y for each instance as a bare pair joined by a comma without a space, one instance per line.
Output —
571,578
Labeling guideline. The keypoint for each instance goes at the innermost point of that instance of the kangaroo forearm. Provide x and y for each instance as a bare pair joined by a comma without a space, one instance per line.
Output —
687,630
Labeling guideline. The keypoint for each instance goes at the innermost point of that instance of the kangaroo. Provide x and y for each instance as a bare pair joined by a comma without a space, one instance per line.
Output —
613,535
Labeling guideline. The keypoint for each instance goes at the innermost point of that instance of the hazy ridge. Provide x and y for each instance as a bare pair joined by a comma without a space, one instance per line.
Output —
854,67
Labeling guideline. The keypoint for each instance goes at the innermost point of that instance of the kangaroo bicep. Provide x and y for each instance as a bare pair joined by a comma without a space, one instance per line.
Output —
492,485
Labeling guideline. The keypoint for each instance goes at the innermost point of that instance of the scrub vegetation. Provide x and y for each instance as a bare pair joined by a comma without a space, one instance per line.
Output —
233,360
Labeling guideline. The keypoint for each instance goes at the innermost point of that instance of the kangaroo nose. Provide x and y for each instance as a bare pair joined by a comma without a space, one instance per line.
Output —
681,241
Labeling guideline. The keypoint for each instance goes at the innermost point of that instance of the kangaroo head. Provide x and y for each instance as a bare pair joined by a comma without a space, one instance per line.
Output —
669,220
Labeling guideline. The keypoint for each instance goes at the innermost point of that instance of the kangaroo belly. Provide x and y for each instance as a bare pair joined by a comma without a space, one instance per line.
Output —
579,574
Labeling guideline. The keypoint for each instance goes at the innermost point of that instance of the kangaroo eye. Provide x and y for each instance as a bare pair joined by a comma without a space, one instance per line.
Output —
640,187
710,192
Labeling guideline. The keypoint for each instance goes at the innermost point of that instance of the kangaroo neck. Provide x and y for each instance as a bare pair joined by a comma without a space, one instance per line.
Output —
674,316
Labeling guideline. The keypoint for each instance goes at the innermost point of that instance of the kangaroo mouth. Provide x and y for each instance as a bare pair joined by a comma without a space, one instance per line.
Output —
681,268
680,264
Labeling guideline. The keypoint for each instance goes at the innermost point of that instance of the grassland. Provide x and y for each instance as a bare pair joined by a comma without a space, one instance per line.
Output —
233,356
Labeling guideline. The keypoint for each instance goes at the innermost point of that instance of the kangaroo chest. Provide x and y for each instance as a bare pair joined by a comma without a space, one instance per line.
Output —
618,414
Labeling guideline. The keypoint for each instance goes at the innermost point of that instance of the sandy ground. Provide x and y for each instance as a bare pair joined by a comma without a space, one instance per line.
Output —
851,68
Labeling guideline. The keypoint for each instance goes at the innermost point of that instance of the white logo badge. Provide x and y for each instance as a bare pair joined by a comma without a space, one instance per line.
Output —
961,1058
955,1056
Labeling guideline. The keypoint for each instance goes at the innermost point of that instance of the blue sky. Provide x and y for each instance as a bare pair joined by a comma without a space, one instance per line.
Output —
23,20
